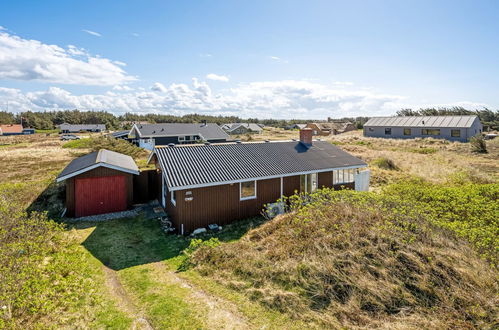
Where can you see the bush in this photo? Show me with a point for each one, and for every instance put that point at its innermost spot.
(385, 163)
(478, 144)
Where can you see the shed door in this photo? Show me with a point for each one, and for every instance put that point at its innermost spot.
(100, 195)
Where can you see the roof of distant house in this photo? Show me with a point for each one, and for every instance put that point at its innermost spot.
(11, 128)
(422, 121)
(119, 134)
(103, 157)
(82, 127)
(251, 126)
(186, 167)
(206, 131)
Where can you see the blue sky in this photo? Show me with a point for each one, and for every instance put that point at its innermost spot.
(268, 59)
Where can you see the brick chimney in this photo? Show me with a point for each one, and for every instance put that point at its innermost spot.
(306, 136)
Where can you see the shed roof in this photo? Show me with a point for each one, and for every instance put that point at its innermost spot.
(194, 166)
(11, 128)
(206, 131)
(422, 121)
(103, 157)
(119, 134)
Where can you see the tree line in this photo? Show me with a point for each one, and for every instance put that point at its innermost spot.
(50, 119)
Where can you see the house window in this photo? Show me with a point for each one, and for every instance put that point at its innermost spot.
(455, 132)
(388, 131)
(407, 131)
(343, 176)
(430, 131)
(247, 190)
(173, 198)
(308, 183)
(371, 129)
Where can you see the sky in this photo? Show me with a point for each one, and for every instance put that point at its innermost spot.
(265, 59)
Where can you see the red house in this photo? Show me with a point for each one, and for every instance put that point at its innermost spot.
(220, 183)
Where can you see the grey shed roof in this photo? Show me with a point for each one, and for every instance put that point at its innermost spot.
(206, 131)
(192, 166)
(103, 157)
(422, 121)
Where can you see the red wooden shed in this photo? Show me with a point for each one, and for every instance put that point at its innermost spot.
(97, 183)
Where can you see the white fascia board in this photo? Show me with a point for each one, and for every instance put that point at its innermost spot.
(257, 178)
(153, 152)
(86, 169)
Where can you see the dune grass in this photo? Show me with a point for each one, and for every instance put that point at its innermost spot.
(367, 260)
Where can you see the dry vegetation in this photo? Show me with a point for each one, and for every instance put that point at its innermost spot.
(358, 261)
(342, 264)
(434, 160)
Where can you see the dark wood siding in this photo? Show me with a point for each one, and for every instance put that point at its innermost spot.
(196, 208)
(291, 184)
(219, 204)
(325, 180)
(95, 173)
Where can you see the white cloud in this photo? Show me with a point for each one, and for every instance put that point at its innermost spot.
(97, 34)
(122, 88)
(205, 55)
(23, 59)
(158, 87)
(278, 59)
(135, 34)
(271, 99)
(213, 76)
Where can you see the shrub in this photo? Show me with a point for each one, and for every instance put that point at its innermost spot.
(478, 144)
(385, 163)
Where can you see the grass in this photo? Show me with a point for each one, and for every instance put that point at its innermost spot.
(145, 261)
(362, 260)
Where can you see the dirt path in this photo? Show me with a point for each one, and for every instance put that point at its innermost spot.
(124, 302)
(221, 314)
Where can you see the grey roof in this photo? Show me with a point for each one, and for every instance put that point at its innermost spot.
(188, 166)
(206, 131)
(119, 134)
(423, 121)
(94, 159)
(251, 126)
(84, 127)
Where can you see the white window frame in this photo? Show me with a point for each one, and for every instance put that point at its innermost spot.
(241, 198)
(173, 198)
(311, 185)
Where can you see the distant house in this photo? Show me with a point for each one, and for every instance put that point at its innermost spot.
(121, 135)
(150, 135)
(242, 128)
(295, 126)
(454, 128)
(220, 183)
(331, 128)
(99, 182)
(69, 128)
(15, 129)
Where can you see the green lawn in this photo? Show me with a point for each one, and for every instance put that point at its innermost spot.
(147, 261)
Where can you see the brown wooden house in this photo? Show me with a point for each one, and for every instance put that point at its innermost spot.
(208, 184)
(99, 182)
